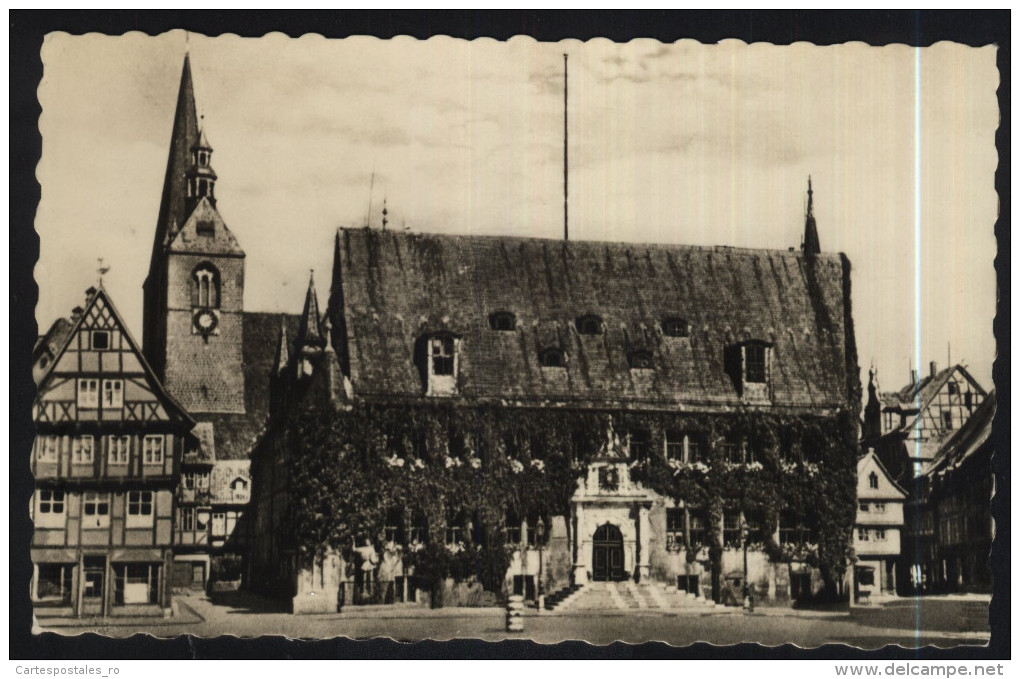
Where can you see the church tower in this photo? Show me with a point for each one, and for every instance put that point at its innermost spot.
(194, 292)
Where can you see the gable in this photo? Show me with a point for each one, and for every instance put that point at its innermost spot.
(395, 287)
(205, 232)
(887, 489)
(100, 351)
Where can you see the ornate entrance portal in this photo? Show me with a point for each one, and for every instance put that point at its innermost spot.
(607, 553)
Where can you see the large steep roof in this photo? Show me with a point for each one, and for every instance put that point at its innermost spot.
(395, 287)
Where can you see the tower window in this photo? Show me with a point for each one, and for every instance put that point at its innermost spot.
(503, 321)
(674, 326)
(205, 288)
(873, 481)
(552, 358)
(589, 325)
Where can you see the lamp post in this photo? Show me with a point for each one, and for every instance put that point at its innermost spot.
(745, 531)
(539, 540)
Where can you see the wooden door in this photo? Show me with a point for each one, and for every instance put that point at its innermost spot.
(607, 553)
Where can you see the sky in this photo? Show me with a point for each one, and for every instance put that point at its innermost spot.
(669, 143)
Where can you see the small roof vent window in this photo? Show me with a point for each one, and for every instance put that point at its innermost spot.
(552, 358)
(641, 360)
(674, 326)
(589, 324)
(503, 321)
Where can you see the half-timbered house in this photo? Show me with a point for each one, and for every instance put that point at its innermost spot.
(108, 447)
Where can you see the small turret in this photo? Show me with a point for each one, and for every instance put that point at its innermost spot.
(201, 176)
(872, 410)
(811, 245)
(310, 336)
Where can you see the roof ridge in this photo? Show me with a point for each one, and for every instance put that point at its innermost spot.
(729, 249)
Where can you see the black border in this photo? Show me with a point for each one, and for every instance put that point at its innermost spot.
(26, 31)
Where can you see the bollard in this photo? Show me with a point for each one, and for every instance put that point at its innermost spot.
(515, 613)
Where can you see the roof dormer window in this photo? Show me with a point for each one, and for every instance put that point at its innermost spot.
(674, 326)
(755, 363)
(750, 365)
(437, 357)
(589, 324)
(503, 321)
(552, 358)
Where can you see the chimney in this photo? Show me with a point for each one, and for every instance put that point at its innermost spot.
(933, 368)
(913, 377)
(76, 314)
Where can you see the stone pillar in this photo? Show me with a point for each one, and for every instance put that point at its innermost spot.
(580, 562)
(644, 544)
(35, 582)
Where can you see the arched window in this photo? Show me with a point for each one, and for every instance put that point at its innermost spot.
(552, 358)
(205, 290)
(589, 324)
(502, 320)
(873, 480)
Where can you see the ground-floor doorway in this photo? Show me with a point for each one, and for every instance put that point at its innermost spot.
(607, 554)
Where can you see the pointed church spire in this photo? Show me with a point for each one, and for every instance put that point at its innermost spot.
(811, 245)
(282, 357)
(173, 206)
(310, 330)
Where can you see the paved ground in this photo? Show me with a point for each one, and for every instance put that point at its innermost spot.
(944, 621)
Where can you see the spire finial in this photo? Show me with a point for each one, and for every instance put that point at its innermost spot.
(810, 196)
(811, 245)
(102, 271)
(385, 212)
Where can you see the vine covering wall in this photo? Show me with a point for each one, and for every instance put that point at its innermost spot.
(441, 464)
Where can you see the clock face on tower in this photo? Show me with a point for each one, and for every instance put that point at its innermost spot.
(204, 322)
